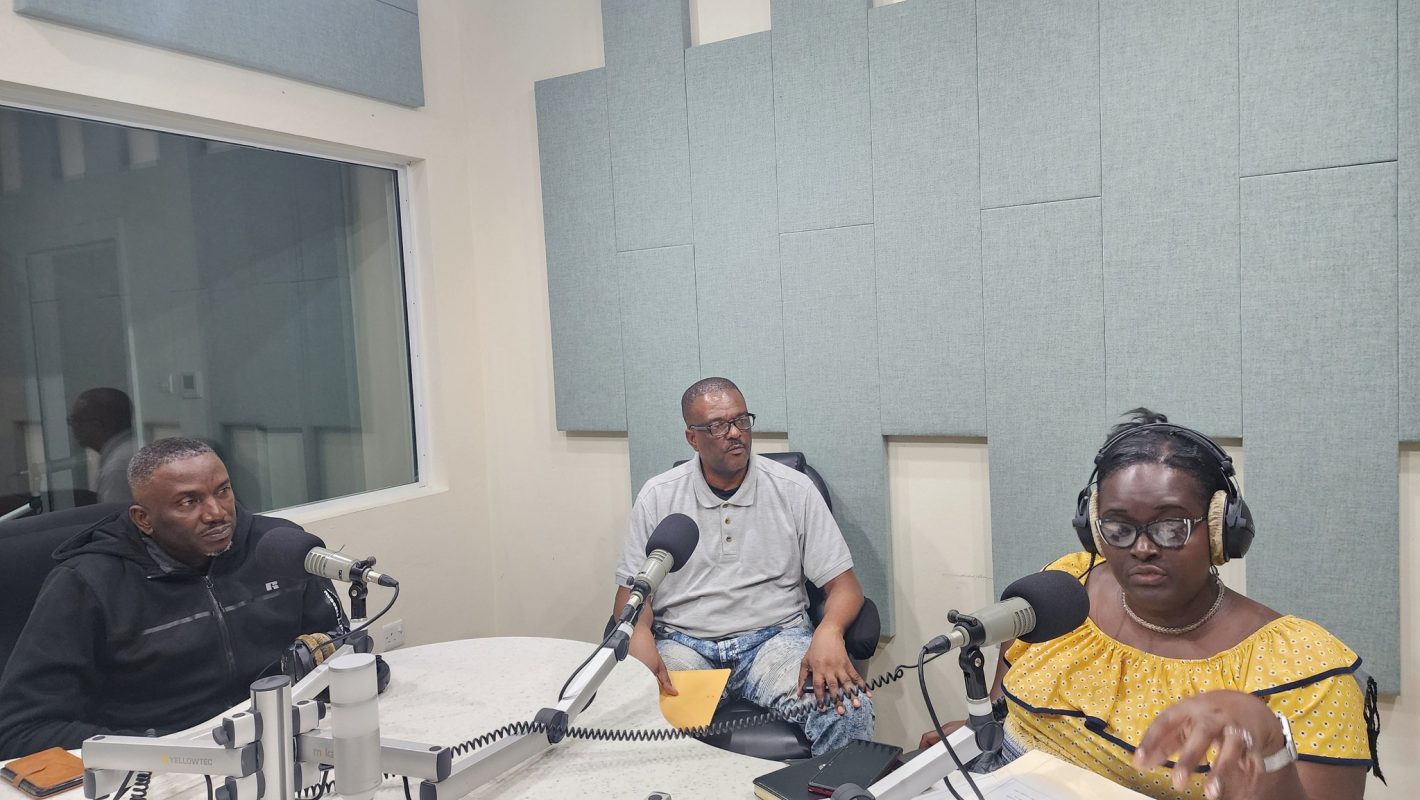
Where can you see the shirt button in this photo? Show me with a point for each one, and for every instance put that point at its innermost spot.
(729, 538)
(727, 520)
(724, 505)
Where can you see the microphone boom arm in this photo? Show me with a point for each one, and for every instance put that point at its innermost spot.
(486, 764)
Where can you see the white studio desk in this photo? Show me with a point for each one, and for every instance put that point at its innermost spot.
(450, 692)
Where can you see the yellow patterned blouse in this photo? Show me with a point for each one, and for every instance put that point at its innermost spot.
(1088, 699)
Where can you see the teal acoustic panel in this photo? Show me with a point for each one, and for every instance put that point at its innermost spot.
(645, 43)
(831, 363)
(1038, 79)
(661, 354)
(825, 166)
(1044, 375)
(1319, 348)
(583, 291)
(730, 90)
(1317, 83)
(1409, 217)
(927, 219)
(368, 47)
(1171, 260)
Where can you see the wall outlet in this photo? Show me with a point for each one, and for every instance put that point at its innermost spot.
(392, 635)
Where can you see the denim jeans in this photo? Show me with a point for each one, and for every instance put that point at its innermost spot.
(764, 669)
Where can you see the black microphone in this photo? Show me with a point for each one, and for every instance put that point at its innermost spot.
(281, 547)
(669, 547)
(1036, 608)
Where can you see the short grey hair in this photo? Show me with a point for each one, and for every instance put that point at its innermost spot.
(703, 387)
(164, 451)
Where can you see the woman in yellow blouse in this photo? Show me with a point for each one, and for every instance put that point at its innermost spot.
(1172, 669)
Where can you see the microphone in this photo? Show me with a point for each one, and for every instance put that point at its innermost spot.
(1036, 608)
(284, 546)
(669, 547)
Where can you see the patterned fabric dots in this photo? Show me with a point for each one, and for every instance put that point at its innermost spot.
(1287, 662)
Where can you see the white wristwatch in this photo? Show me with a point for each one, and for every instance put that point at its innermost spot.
(1287, 754)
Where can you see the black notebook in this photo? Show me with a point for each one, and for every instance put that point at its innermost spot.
(858, 762)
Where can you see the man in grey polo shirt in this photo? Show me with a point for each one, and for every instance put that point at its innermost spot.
(739, 601)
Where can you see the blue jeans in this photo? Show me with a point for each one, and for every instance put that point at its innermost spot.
(764, 669)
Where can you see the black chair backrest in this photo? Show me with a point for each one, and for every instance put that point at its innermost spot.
(27, 551)
(795, 460)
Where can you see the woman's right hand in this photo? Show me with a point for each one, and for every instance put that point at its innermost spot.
(932, 737)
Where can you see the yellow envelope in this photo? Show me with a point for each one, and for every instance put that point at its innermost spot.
(700, 691)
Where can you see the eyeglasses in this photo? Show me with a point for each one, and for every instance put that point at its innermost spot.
(721, 428)
(1169, 533)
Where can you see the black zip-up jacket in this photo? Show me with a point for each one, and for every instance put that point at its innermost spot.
(121, 642)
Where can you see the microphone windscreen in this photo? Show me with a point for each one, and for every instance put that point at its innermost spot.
(678, 535)
(282, 551)
(1060, 603)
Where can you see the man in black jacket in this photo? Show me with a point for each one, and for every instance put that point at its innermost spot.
(159, 618)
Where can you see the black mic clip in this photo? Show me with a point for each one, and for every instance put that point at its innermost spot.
(976, 633)
(358, 590)
(988, 731)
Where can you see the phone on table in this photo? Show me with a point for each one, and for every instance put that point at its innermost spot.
(859, 762)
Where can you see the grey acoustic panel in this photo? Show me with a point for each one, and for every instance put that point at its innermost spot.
(1044, 366)
(831, 364)
(367, 47)
(583, 291)
(661, 354)
(1039, 93)
(1317, 84)
(1170, 210)
(821, 113)
(1319, 348)
(730, 90)
(1409, 217)
(926, 201)
(645, 43)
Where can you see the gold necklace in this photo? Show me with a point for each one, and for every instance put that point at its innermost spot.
(1217, 604)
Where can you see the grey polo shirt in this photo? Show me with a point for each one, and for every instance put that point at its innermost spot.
(755, 549)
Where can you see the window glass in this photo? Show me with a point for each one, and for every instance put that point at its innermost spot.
(155, 284)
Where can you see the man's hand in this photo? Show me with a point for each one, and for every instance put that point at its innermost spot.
(643, 643)
(643, 647)
(833, 673)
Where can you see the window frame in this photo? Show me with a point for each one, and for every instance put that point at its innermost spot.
(160, 121)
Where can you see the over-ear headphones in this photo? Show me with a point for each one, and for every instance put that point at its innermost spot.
(1230, 528)
(310, 650)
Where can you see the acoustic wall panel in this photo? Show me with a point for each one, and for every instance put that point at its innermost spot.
(645, 43)
(1171, 262)
(661, 353)
(1039, 94)
(369, 47)
(730, 91)
(1317, 83)
(926, 201)
(821, 113)
(1044, 375)
(1409, 241)
(1319, 347)
(831, 366)
(583, 292)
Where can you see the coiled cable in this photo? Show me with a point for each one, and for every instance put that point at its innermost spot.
(792, 709)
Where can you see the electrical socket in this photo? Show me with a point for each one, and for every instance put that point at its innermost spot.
(393, 635)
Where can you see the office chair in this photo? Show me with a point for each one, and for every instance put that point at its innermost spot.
(27, 550)
(778, 740)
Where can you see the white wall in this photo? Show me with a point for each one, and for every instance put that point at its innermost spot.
(509, 496)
